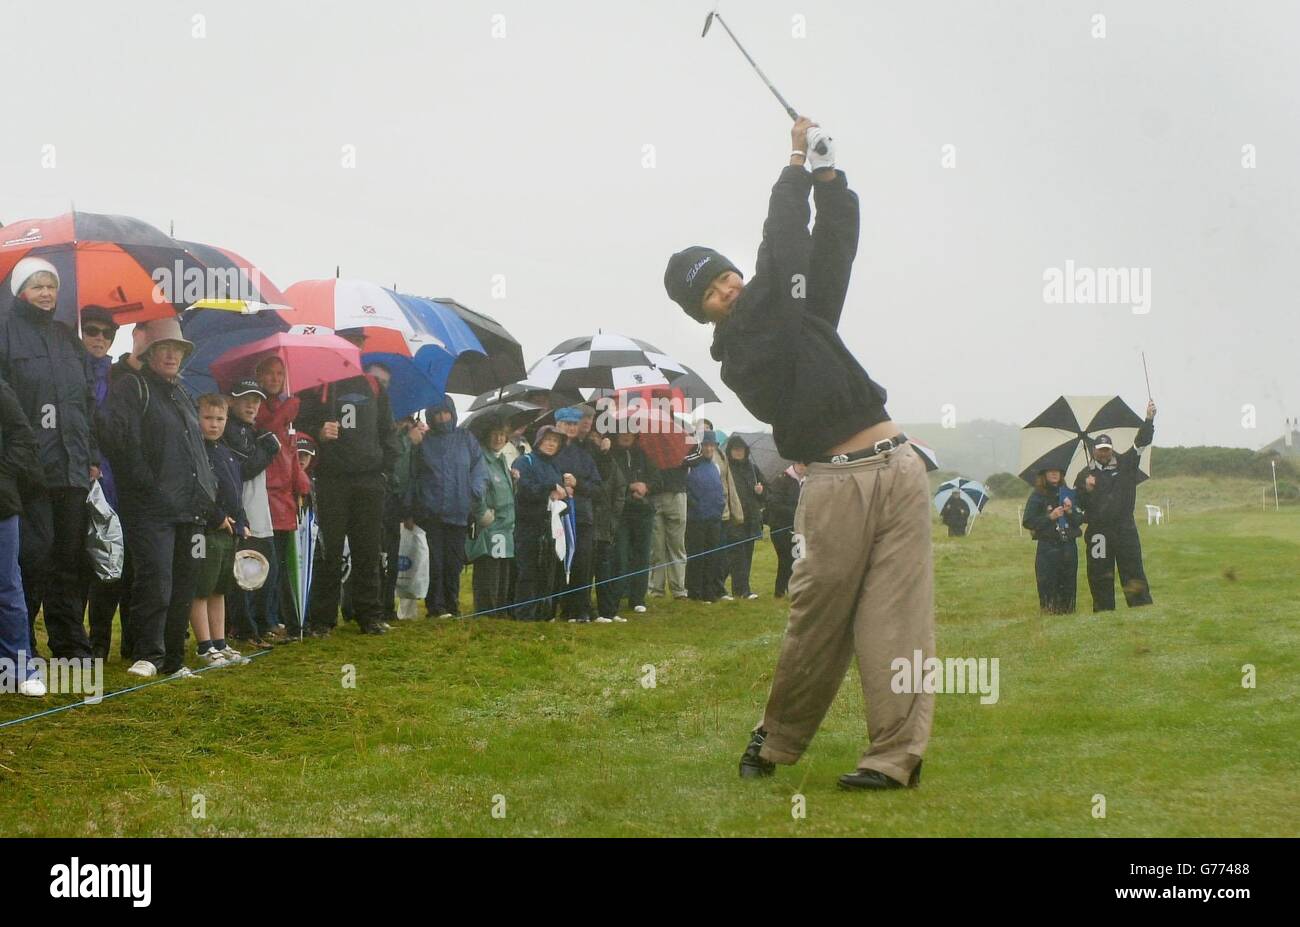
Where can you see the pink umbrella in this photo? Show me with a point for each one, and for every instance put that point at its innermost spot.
(309, 360)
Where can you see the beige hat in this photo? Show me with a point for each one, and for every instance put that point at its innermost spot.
(147, 334)
(251, 570)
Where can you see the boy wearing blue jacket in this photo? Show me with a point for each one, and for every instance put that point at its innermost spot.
(226, 525)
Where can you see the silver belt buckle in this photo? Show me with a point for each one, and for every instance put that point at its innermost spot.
(840, 458)
(888, 443)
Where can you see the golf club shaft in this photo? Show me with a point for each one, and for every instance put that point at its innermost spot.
(776, 93)
(1147, 375)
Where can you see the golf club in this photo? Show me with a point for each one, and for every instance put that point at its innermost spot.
(708, 21)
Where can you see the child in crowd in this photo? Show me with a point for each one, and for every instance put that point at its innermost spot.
(254, 615)
(216, 577)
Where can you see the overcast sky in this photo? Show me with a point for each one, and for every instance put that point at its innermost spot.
(524, 156)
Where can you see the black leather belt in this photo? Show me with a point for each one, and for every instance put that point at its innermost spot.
(880, 447)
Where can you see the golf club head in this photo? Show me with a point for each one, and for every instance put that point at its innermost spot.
(708, 21)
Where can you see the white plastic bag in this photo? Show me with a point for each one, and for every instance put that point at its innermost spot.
(103, 536)
(412, 564)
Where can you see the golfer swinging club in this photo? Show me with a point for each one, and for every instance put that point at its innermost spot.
(863, 576)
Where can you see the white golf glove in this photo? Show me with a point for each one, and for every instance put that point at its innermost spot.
(817, 135)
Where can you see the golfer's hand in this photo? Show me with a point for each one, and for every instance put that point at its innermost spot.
(1151, 410)
(329, 431)
(799, 134)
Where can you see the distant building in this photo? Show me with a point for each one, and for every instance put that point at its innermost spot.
(1289, 444)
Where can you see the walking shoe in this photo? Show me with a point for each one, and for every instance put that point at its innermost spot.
(185, 673)
(143, 668)
(446, 615)
(728, 598)
(870, 779)
(34, 687)
(234, 656)
(373, 629)
(603, 620)
(620, 619)
(682, 596)
(214, 658)
(639, 609)
(753, 766)
(317, 633)
(385, 625)
(752, 596)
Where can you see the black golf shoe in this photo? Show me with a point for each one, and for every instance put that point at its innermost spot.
(872, 780)
(753, 766)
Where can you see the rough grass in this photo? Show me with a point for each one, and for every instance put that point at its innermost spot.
(1145, 707)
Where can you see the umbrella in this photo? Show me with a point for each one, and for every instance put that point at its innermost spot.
(422, 342)
(123, 264)
(235, 284)
(926, 453)
(604, 360)
(302, 560)
(1061, 437)
(975, 494)
(762, 450)
(563, 532)
(216, 333)
(512, 414)
(309, 360)
(527, 392)
(504, 360)
(691, 385)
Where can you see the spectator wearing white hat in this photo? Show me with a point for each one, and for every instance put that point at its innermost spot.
(49, 370)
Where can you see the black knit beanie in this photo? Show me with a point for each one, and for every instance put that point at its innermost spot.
(689, 273)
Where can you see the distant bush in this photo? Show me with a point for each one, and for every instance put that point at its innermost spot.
(1221, 461)
(1005, 485)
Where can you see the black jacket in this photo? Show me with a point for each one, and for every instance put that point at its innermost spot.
(150, 433)
(365, 453)
(744, 474)
(20, 463)
(674, 479)
(576, 459)
(50, 373)
(1041, 526)
(1110, 504)
(230, 487)
(782, 499)
(956, 511)
(780, 352)
(610, 496)
(253, 450)
(637, 468)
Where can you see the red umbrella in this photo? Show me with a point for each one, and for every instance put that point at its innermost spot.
(309, 360)
(125, 265)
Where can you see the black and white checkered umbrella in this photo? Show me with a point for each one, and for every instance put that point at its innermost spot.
(606, 361)
(1062, 435)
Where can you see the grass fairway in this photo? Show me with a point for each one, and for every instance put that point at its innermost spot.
(1145, 707)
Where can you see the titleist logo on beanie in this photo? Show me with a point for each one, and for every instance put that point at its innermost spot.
(688, 275)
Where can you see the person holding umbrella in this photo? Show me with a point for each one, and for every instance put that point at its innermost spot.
(864, 583)
(539, 481)
(1107, 490)
(1053, 519)
(956, 515)
(49, 370)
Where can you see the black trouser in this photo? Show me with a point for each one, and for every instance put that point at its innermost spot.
(56, 573)
(446, 560)
(166, 568)
(956, 530)
(1056, 567)
(535, 571)
(351, 511)
(106, 600)
(740, 556)
(605, 563)
(285, 541)
(576, 600)
(703, 579)
(492, 587)
(632, 545)
(783, 543)
(1118, 545)
(392, 549)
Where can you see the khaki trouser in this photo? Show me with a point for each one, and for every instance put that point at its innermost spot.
(668, 543)
(863, 586)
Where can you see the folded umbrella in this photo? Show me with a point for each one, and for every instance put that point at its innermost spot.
(309, 360)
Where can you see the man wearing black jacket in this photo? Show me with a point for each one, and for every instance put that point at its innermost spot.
(636, 525)
(1107, 490)
(863, 576)
(353, 425)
